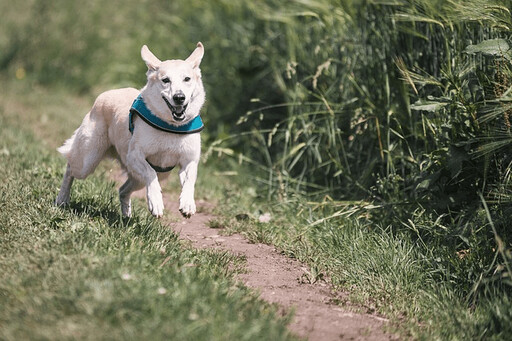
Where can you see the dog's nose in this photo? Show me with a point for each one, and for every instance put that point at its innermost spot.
(179, 97)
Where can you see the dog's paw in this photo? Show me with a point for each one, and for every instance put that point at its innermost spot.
(62, 199)
(156, 204)
(126, 208)
(61, 203)
(187, 207)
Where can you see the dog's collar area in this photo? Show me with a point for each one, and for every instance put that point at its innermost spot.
(139, 108)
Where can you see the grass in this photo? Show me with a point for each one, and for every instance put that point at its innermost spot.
(384, 270)
(384, 161)
(376, 133)
(86, 273)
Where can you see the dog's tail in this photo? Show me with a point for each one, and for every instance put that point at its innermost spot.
(65, 149)
(87, 146)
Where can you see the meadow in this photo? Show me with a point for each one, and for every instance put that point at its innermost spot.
(86, 273)
(376, 133)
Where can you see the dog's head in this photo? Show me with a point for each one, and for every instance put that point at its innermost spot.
(174, 90)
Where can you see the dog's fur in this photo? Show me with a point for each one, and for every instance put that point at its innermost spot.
(104, 132)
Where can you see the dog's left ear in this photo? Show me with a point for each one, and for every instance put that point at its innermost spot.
(196, 56)
(149, 58)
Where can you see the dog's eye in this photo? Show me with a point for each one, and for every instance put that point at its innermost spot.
(187, 79)
(166, 80)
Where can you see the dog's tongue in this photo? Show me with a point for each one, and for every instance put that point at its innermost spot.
(179, 109)
(179, 113)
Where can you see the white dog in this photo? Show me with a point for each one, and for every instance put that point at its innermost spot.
(148, 131)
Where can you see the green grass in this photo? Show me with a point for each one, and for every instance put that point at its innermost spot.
(86, 273)
(376, 133)
(384, 270)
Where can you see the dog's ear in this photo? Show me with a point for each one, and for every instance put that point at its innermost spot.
(149, 58)
(196, 56)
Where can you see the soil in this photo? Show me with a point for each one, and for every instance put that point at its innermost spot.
(318, 315)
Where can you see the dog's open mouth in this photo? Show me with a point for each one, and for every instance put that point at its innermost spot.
(178, 112)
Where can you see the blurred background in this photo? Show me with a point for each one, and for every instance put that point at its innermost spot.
(396, 112)
(89, 47)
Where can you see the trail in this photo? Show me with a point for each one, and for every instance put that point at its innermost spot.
(278, 280)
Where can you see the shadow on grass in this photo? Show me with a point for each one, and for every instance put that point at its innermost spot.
(141, 225)
(96, 211)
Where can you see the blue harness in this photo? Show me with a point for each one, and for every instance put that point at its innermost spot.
(139, 108)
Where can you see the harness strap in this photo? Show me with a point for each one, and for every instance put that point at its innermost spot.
(139, 108)
(160, 169)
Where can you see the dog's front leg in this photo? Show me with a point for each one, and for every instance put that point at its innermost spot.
(142, 171)
(188, 176)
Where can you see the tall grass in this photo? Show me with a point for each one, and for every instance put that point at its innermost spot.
(405, 106)
(394, 114)
(402, 104)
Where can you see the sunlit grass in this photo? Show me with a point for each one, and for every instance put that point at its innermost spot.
(371, 128)
(84, 272)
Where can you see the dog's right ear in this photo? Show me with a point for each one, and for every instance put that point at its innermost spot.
(196, 56)
(150, 59)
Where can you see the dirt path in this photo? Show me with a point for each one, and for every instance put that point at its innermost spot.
(277, 279)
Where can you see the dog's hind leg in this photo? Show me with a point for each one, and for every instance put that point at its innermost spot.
(65, 188)
(84, 151)
(131, 185)
(88, 145)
